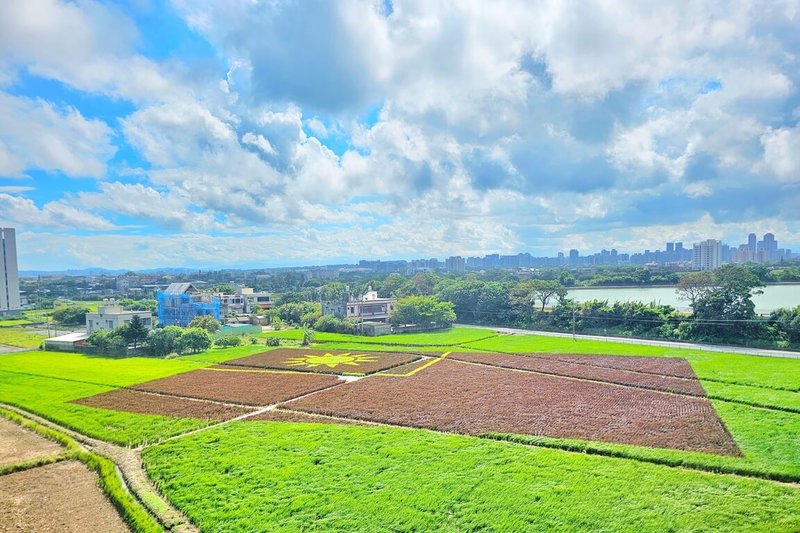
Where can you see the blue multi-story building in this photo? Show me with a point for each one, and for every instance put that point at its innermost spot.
(181, 302)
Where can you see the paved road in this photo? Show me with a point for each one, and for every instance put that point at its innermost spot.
(4, 348)
(646, 342)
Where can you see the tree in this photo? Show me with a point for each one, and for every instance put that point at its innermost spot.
(99, 339)
(787, 324)
(423, 311)
(109, 342)
(228, 341)
(727, 310)
(71, 315)
(308, 336)
(163, 341)
(206, 322)
(224, 288)
(136, 332)
(493, 304)
(546, 289)
(391, 284)
(525, 294)
(294, 313)
(465, 295)
(195, 340)
(693, 286)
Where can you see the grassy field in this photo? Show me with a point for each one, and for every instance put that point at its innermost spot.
(14, 336)
(260, 475)
(46, 382)
(345, 478)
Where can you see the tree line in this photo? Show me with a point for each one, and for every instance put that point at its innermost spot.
(722, 310)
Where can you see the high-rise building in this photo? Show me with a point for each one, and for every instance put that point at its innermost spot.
(9, 275)
(574, 256)
(770, 247)
(707, 255)
(455, 264)
(751, 243)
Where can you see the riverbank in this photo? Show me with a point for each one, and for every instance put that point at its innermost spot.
(773, 296)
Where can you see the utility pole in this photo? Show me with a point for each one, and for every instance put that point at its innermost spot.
(574, 312)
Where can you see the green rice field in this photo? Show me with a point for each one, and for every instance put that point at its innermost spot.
(265, 475)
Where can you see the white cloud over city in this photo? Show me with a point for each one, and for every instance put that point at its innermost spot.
(279, 132)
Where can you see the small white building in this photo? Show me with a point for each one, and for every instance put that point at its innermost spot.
(245, 300)
(111, 315)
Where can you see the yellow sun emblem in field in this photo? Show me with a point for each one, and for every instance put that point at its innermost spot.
(331, 360)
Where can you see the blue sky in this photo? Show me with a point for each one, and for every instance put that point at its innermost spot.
(245, 133)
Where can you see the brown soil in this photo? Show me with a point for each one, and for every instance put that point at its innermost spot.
(662, 366)
(471, 399)
(408, 367)
(226, 384)
(282, 358)
(18, 445)
(153, 404)
(279, 415)
(587, 369)
(61, 497)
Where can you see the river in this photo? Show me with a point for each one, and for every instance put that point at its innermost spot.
(774, 297)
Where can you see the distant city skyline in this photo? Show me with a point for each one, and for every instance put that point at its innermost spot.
(670, 252)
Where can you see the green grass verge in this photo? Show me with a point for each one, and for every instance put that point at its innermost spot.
(268, 476)
(139, 520)
(11, 322)
(445, 337)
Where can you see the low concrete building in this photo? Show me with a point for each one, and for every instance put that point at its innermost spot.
(66, 343)
(111, 315)
(245, 300)
(368, 308)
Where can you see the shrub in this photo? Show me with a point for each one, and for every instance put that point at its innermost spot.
(332, 324)
(163, 341)
(229, 341)
(273, 341)
(195, 340)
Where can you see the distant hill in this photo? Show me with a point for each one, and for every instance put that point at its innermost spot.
(101, 272)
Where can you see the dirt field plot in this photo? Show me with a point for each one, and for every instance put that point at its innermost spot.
(153, 404)
(61, 497)
(238, 385)
(325, 361)
(471, 399)
(413, 366)
(661, 366)
(18, 445)
(586, 369)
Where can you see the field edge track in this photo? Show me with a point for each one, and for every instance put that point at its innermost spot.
(129, 469)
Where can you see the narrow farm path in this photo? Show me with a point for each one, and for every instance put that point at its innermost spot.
(130, 471)
(257, 411)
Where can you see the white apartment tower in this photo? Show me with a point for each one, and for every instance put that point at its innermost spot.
(9, 276)
(707, 255)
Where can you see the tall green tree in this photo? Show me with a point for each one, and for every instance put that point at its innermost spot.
(136, 332)
(71, 315)
(195, 340)
(207, 322)
(694, 286)
(727, 310)
(423, 311)
(164, 341)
